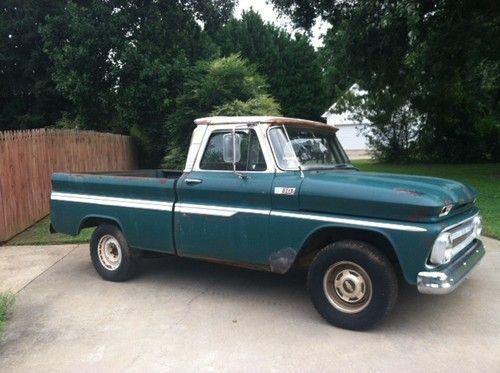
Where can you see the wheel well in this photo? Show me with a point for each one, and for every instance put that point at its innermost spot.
(95, 221)
(326, 236)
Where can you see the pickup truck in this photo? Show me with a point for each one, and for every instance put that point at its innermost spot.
(276, 194)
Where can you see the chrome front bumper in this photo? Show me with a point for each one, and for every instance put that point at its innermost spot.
(444, 280)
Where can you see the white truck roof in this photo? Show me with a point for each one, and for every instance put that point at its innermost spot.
(260, 119)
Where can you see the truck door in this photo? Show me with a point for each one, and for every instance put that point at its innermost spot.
(222, 214)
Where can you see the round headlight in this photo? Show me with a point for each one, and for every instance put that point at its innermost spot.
(478, 226)
(442, 249)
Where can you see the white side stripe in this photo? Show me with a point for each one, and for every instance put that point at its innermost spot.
(112, 201)
(363, 223)
(188, 208)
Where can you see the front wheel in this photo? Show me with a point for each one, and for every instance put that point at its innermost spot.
(352, 284)
(113, 259)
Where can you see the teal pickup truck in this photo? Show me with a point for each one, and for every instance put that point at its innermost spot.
(273, 193)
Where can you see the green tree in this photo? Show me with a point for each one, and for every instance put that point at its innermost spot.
(260, 105)
(289, 62)
(224, 86)
(122, 63)
(437, 60)
(28, 97)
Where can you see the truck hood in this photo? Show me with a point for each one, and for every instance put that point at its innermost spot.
(383, 195)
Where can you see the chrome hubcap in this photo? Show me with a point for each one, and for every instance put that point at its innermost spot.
(347, 287)
(109, 252)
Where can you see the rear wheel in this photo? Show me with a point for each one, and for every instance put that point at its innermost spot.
(113, 259)
(352, 284)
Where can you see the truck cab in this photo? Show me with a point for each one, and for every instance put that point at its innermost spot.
(275, 193)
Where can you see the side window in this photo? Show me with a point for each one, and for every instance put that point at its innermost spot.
(252, 158)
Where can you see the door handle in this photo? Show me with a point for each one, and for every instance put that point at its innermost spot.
(190, 181)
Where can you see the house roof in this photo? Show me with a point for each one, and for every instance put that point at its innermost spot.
(346, 117)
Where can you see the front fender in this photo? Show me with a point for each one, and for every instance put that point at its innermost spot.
(411, 248)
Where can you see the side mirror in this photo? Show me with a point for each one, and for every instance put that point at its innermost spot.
(231, 147)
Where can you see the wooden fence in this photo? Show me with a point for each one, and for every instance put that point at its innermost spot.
(28, 159)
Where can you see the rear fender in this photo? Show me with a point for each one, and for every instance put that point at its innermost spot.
(96, 220)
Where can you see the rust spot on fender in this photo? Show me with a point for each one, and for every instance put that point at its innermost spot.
(281, 261)
(411, 192)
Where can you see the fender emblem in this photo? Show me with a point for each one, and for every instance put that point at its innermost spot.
(284, 190)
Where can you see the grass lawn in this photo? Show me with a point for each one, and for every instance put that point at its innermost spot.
(38, 234)
(485, 178)
(6, 301)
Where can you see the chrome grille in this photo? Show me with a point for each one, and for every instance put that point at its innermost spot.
(462, 235)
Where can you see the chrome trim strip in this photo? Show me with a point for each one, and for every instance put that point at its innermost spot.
(445, 280)
(112, 201)
(363, 223)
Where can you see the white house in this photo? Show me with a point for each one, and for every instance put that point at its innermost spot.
(354, 142)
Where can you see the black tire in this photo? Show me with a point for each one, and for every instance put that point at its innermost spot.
(122, 263)
(345, 268)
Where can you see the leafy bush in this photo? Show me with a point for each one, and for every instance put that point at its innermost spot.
(260, 105)
(223, 86)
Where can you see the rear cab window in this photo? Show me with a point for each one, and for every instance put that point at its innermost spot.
(252, 158)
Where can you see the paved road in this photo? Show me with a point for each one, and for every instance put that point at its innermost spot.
(183, 315)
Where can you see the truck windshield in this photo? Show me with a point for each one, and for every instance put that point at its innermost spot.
(309, 148)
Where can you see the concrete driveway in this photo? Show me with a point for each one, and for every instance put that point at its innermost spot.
(183, 315)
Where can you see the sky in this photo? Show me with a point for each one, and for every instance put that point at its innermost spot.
(270, 15)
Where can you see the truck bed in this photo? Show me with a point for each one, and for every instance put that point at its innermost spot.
(140, 202)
